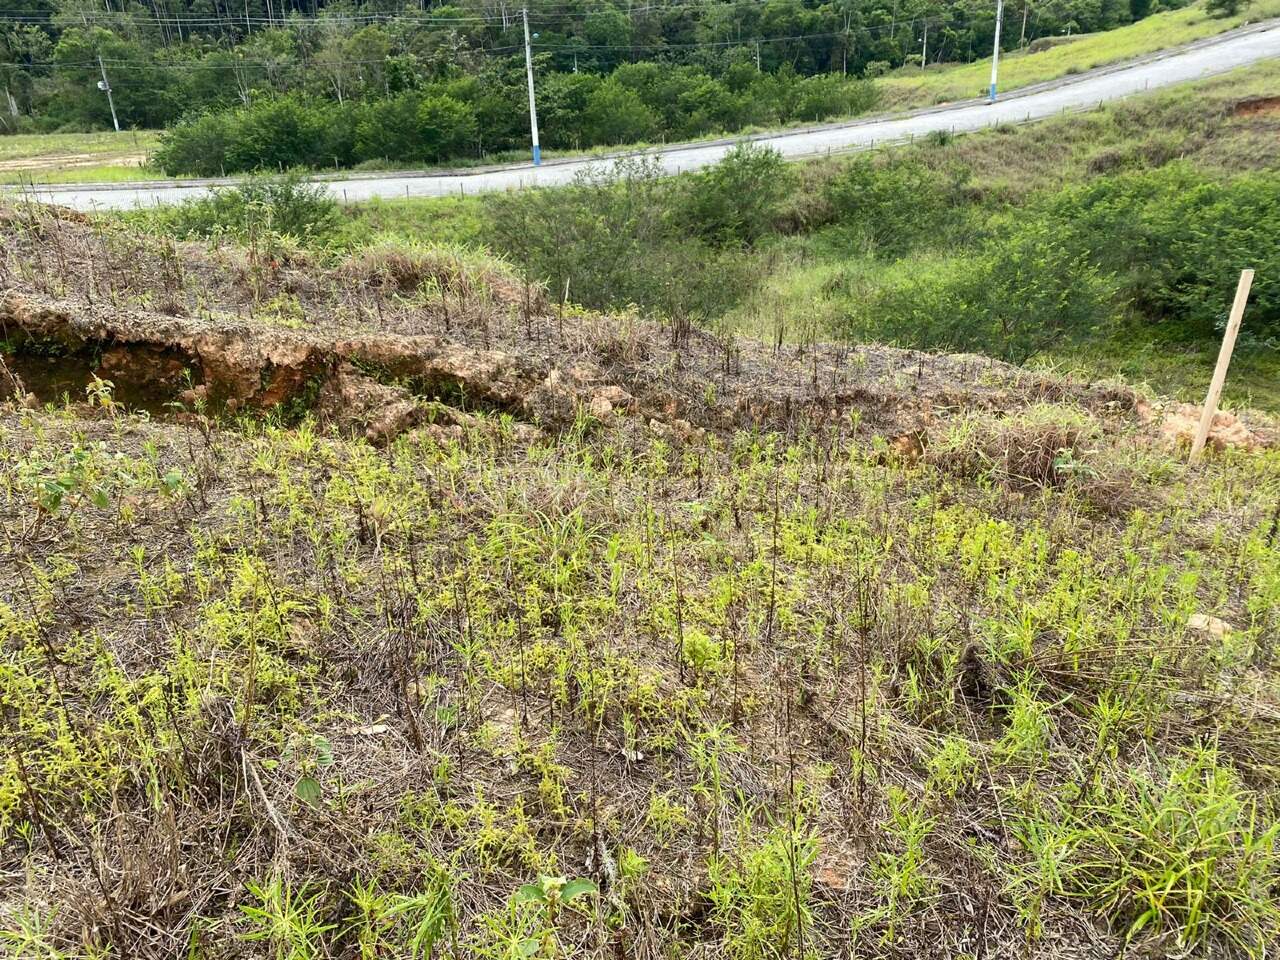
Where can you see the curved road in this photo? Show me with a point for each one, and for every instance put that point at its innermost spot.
(1208, 57)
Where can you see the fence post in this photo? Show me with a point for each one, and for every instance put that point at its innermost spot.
(1224, 360)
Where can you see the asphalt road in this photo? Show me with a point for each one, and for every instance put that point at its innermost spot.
(1205, 58)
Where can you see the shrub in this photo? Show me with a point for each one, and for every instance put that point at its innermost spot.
(562, 101)
(447, 127)
(616, 114)
(412, 128)
(197, 145)
(1178, 241)
(891, 203)
(613, 237)
(704, 105)
(288, 132)
(266, 135)
(737, 199)
(388, 130)
(286, 205)
(828, 95)
(1015, 298)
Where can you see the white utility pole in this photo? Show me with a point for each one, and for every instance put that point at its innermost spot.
(533, 107)
(105, 85)
(995, 55)
(924, 48)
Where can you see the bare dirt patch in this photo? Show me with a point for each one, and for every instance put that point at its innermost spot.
(1257, 107)
(68, 161)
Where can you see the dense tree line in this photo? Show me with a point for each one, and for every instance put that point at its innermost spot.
(470, 116)
(609, 70)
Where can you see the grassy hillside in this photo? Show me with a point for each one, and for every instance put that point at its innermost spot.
(1219, 129)
(369, 605)
(75, 157)
(843, 234)
(911, 87)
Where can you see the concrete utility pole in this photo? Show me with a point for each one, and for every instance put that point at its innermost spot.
(533, 107)
(105, 85)
(924, 48)
(995, 54)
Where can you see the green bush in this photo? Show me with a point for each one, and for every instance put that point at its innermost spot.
(1013, 299)
(447, 127)
(412, 128)
(614, 238)
(829, 95)
(388, 130)
(266, 135)
(562, 102)
(891, 203)
(736, 200)
(283, 206)
(616, 114)
(434, 122)
(288, 132)
(1178, 240)
(197, 146)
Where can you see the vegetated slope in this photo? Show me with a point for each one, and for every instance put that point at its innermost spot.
(725, 651)
(403, 89)
(1061, 56)
(1110, 241)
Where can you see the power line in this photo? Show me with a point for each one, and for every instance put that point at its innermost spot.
(296, 20)
(511, 24)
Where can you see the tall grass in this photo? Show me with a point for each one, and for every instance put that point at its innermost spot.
(911, 87)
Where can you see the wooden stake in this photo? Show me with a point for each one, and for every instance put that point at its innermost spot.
(1224, 360)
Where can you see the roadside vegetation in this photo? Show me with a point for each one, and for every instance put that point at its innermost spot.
(1107, 242)
(1052, 57)
(275, 89)
(445, 121)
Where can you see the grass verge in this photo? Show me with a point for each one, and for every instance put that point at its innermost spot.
(910, 87)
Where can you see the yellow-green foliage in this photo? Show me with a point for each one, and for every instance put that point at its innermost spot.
(464, 664)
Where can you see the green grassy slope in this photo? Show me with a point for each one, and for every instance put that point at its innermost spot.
(910, 87)
(811, 281)
(75, 157)
(1222, 127)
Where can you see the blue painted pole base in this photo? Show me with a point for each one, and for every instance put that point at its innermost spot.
(537, 156)
(992, 95)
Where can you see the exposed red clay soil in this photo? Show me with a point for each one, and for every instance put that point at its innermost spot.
(1257, 106)
(388, 340)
